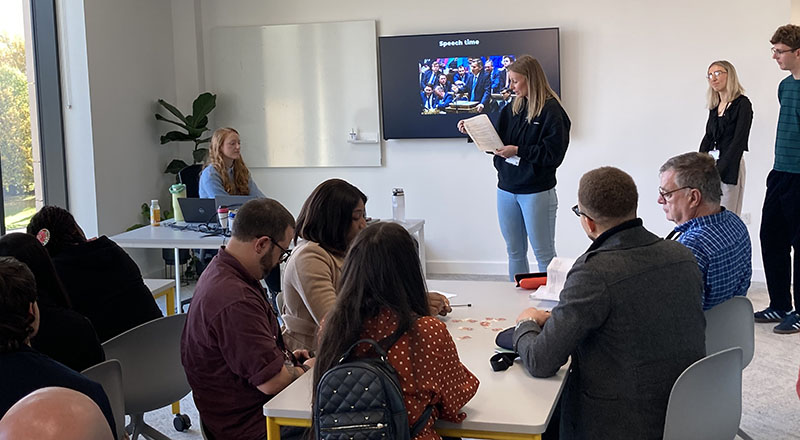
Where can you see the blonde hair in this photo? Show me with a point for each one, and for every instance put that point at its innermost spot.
(241, 175)
(733, 88)
(539, 89)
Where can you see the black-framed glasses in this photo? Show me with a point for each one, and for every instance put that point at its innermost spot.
(285, 253)
(715, 74)
(579, 213)
(781, 52)
(666, 195)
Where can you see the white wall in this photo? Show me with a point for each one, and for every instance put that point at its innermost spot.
(120, 61)
(632, 81)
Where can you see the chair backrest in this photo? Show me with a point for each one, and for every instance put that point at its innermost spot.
(109, 375)
(706, 400)
(190, 176)
(731, 324)
(150, 354)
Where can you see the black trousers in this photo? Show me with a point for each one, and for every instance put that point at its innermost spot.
(780, 233)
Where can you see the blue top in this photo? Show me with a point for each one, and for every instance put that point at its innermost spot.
(721, 245)
(211, 184)
(787, 138)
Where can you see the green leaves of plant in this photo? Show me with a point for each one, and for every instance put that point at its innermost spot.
(175, 166)
(199, 155)
(195, 124)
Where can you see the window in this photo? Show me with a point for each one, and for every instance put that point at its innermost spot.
(31, 134)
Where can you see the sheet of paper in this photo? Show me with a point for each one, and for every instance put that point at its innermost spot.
(482, 132)
(556, 276)
(514, 160)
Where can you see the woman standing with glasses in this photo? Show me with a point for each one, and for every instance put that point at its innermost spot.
(730, 115)
(535, 131)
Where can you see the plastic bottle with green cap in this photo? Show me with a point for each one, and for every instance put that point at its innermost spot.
(178, 191)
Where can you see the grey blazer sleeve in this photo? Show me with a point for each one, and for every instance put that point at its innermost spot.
(583, 307)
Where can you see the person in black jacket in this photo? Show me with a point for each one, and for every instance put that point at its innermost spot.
(730, 115)
(100, 278)
(23, 369)
(64, 334)
(535, 131)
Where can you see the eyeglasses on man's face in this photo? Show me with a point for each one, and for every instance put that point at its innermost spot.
(579, 213)
(666, 195)
(285, 253)
(781, 52)
(715, 74)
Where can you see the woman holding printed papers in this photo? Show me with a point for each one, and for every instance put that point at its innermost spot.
(534, 131)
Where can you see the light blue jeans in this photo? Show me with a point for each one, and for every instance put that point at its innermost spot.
(523, 217)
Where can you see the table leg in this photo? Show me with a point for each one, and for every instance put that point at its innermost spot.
(170, 295)
(177, 305)
(273, 429)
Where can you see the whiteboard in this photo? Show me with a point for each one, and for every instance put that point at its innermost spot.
(295, 92)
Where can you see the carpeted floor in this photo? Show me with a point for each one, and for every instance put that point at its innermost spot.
(771, 408)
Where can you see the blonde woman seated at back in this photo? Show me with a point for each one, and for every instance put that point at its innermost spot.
(225, 172)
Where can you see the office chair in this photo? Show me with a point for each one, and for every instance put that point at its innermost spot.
(706, 400)
(190, 176)
(728, 325)
(152, 373)
(109, 375)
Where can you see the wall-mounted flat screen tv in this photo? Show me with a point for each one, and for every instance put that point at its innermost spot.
(430, 82)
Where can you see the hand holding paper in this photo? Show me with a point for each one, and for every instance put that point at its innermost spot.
(480, 129)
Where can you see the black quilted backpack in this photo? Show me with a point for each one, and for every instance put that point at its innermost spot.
(361, 399)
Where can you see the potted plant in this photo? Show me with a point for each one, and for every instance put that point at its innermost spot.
(194, 126)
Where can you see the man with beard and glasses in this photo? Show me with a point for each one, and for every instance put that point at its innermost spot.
(232, 350)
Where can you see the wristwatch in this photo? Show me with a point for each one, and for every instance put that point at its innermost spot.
(526, 320)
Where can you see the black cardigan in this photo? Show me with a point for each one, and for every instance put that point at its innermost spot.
(542, 146)
(728, 134)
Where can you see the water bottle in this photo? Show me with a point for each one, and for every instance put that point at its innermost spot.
(155, 213)
(178, 191)
(231, 218)
(398, 205)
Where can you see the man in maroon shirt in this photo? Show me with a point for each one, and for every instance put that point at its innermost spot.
(231, 348)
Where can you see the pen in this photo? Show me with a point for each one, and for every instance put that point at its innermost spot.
(460, 305)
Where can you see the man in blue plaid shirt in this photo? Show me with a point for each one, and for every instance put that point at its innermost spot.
(690, 196)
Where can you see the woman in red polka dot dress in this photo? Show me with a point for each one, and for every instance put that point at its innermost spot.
(382, 292)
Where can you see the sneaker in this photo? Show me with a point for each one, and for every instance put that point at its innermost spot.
(790, 324)
(769, 315)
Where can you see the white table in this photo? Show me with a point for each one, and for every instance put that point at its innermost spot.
(164, 236)
(157, 237)
(509, 404)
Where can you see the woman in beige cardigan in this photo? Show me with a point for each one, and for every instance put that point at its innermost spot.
(329, 220)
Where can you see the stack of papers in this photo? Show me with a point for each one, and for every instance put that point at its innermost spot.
(556, 277)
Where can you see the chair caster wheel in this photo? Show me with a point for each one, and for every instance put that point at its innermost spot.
(181, 422)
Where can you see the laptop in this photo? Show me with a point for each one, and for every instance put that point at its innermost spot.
(198, 210)
(234, 202)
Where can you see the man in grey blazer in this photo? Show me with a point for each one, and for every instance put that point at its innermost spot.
(630, 316)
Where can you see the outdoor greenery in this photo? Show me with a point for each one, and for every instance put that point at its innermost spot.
(15, 123)
(15, 134)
